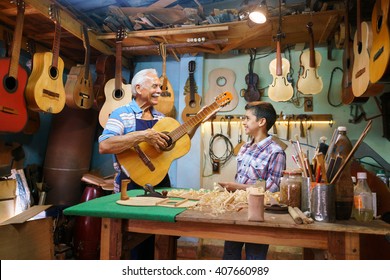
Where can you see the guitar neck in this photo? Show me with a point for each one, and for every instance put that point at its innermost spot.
(192, 86)
(87, 52)
(56, 44)
(358, 22)
(16, 46)
(118, 65)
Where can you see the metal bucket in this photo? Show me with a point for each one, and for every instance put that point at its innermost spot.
(323, 203)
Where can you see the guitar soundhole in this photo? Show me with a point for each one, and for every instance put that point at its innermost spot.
(221, 81)
(10, 84)
(170, 143)
(118, 94)
(379, 24)
(192, 103)
(53, 72)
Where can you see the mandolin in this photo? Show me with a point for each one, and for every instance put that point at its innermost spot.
(280, 89)
(45, 89)
(361, 85)
(252, 92)
(79, 84)
(166, 100)
(309, 82)
(105, 71)
(347, 96)
(13, 110)
(380, 50)
(193, 99)
(153, 165)
(117, 94)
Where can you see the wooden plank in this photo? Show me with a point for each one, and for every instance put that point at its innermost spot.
(111, 239)
(165, 247)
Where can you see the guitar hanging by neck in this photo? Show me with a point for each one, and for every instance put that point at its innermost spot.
(56, 43)
(87, 52)
(120, 35)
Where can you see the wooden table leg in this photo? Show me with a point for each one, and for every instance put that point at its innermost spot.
(343, 246)
(165, 247)
(111, 239)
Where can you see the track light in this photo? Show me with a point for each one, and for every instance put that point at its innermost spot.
(259, 13)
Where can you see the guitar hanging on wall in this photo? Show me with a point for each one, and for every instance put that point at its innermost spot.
(193, 99)
(117, 93)
(45, 89)
(280, 89)
(79, 84)
(13, 110)
(105, 71)
(309, 82)
(252, 92)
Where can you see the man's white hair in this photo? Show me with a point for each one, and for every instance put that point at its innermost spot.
(142, 78)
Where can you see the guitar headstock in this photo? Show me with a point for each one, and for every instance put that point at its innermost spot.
(54, 14)
(309, 26)
(20, 5)
(120, 34)
(191, 66)
(224, 98)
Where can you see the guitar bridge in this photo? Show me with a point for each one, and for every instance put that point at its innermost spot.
(8, 110)
(145, 159)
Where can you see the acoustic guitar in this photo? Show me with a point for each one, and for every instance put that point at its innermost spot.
(280, 89)
(380, 50)
(105, 71)
(252, 92)
(308, 81)
(222, 80)
(347, 96)
(79, 84)
(45, 89)
(117, 93)
(193, 99)
(146, 165)
(361, 85)
(166, 100)
(13, 110)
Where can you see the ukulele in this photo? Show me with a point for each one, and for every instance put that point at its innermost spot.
(193, 99)
(79, 84)
(45, 89)
(380, 50)
(105, 70)
(13, 110)
(347, 96)
(166, 100)
(117, 94)
(152, 165)
(361, 85)
(252, 80)
(280, 89)
(309, 82)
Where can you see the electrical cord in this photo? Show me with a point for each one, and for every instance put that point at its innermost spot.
(228, 151)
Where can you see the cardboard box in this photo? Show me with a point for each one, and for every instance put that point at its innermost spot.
(27, 236)
(7, 199)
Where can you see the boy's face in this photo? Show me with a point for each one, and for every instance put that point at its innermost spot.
(252, 125)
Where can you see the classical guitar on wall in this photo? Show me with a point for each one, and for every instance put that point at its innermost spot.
(309, 82)
(79, 84)
(117, 93)
(45, 89)
(252, 93)
(192, 99)
(153, 165)
(280, 89)
(166, 101)
(380, 50)
(361, 85)
(105, 71)
(221, 80)
(13, 110)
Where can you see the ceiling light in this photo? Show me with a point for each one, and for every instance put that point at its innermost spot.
(259, 13)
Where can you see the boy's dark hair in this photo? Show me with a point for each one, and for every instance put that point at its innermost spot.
(262, 109)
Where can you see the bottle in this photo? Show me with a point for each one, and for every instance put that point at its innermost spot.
(344, 185)
(363, 207)
(381, 174)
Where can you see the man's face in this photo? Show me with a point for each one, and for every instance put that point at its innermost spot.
(150, 91)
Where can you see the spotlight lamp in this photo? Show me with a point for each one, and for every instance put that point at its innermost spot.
(259, 13)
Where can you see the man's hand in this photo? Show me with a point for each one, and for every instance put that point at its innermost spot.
(157, 139)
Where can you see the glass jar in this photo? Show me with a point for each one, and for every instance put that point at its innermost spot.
(290, 188)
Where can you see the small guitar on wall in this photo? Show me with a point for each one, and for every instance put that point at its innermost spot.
(166, 101)
(117, 93)
(309, 82)
(153, 165)
(361, 85)
(193, 99)
(280, 89)
(13, 110)
(45, 89)
(79, 84)
(380, 51)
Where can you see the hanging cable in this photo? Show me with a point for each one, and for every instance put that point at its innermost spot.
(228, 151)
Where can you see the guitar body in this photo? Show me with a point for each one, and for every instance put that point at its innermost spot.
(166, 101)
(309, 82)
(380, 51)
(192, 106)
(45, 88)
(280, 89)
(142, 175)
(115, 98)
(13, 110)
(221, 80)
(79, 89)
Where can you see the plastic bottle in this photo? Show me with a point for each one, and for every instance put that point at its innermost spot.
(381, 174)
(344, 185)
(363, 207)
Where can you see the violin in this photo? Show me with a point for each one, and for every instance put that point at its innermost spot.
(252, 92)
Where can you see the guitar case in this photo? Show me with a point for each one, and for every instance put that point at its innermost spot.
(68, 154)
